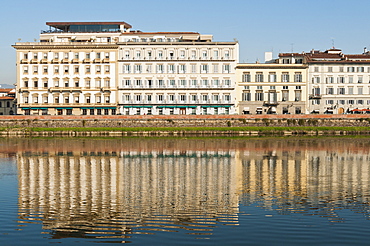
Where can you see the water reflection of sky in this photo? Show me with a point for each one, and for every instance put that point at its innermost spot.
(114, 190)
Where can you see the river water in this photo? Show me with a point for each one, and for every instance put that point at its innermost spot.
(183, 191)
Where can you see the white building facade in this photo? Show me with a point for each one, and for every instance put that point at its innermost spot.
(105, 68)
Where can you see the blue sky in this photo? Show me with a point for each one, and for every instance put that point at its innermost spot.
(258, 25)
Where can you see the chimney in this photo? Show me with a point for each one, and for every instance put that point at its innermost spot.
(365, 50)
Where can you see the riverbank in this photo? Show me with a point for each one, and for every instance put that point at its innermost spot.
(183, 131)
(184, 125)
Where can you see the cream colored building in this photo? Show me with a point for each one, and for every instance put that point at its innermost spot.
(94, 68)
(337, 82)
(271, 88)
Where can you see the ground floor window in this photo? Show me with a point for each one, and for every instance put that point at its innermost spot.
(59, 111)
(91, 111)
(106, 111)
(69, 111)
(84, 111)
(98, 111)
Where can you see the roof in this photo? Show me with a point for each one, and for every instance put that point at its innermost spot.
(161, 33)
(63, 24)
(7, 98)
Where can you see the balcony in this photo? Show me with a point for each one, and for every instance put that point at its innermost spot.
(315, 96)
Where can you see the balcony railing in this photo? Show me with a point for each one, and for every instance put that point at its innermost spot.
(315, 96)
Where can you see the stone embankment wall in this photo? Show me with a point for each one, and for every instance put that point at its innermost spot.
(184, 121)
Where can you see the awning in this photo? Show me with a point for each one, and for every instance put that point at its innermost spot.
(216, 106)
(273, 109)
(316, 111)
(246, 109)
(63, 108)
(259, 109)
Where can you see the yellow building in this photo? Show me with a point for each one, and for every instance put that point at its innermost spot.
(271, 88)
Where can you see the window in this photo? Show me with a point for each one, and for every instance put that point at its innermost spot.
(216, 82)
(341, 102)
(172, 82)
(359, 79)
(171, 68)
(45, 70)
(160, 54)
(341, 91)
(56, 69)
(215, 98)
(138, 82)
(272, 77)
(350, 79)
(35, 69)
(204, 54)
(182, 68)
(87, 55)
(341, 69)
(98, 56)
(360, 102)
(330, 91)
(285, 96)
(66, 69)
(246, 77)
(76, 55)
(360, 69)
(226, 68)
(330, 69)
(183, 98)
(107, 68)
(204, 68)
(297, 96)
(350, 69)
(137, 68)
(138, 54)
(316, 79)
(246, 96)
(171, 97)
(160, 98)
(285, 77)
(76, 68)
(193, 68)
(259, 96)
(160, 68)
(194, 98)
(45, 84)
(127, 54)
(316, 69)
(351, 101)
(215, 54)
(107, 99)
(107, 83)
(88, 69)
(227, 54)
(88, 99)
(285, 87)
(227, 82)
(26, 83)
(329, 102)
(182, 54)
(193, 82)
(193, 54)
(329, 80)
(182, 82)
(350, 90)
(259, 77)
(35, 84)
(297, 77)
(126, 68)
(98, 69)
(341, 79)
(160, 82)
(204, 98)
(360, 90)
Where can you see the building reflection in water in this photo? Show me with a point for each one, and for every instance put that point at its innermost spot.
(114, 188)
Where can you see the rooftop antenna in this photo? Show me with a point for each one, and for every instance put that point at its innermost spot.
(333, 43)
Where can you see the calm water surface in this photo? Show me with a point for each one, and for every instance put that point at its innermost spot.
(168, 191)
